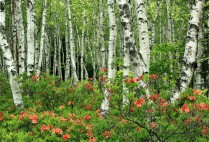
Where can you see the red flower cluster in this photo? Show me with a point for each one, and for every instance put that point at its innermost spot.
(35, 77)
(153, 76)
(185, 108)
(87, 117)
(196, 92)
(88, 107)
(204, 130)
(34, 118)
(104, 69)
(45, 127)
(2, 116)
(139, 102)
(154, 97)
(106, 134)
(57, 131)
(65, 137)
(202, 106)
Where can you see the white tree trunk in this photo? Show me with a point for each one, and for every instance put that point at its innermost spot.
(72, 46)
(30, 35)
(42, 38)
(47, 54)
(111, 62)
(17, 97)
(190, 52)
(21, 36)
(144, 37)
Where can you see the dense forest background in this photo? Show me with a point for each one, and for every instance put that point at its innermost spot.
(143, 54)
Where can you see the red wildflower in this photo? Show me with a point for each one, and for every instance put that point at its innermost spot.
(185, 108)
(72, 115)
(65, 137)
(204, 130)
(153, 76)
(154, 97)
(2, 117)
(192, 98)
(203, 106)
(22, 115)
(92, 139)
(102, 79)
(79, 121)
(57, 131)
(62, 106)
(34, 118)
(196, 92)
(44, 128)
(163, 102)
(153, 125)
(104, 69)
(106, 134)
(88, 107)
(187, 121)
(110, 89)
(35, 77)
(139, 78)
(140, 102)
(87, 117)
(11, 116)
(71, 103)
(132, 80)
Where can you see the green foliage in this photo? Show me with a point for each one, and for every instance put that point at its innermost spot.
(55, 109)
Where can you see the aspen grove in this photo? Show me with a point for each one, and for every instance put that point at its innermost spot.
(104, 70)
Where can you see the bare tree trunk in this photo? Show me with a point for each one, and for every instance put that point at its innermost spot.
(189, 60)
(9, 61)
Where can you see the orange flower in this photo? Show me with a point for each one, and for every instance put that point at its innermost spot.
(163, 102)
(138, 129)
(192, 98)
(44, 128)
(57, 131)
(106, 134)
(139, 103)
(185, 108)
(196, 92)
(187, 121)
(62, 106)
(154, 97)
(87, 117)
(2, 117)
(34, 118)
(204, 131)
(92, 139)
(79, 121)
(197, 119)
(203, 106)
(65, 137)
(139, 78)
(153, 125)
(35, 77)
(22, 115)
(72, 115)
(11, 116)
(153, 76)
(104, 69)
(88, 107)
(132, 80)
(71, 103)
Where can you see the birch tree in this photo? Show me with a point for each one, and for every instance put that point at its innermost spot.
(111, 63)
(9, 61)
(42, 38)
(30, 35)
(72, 45)
(189, 60)
(21, 36)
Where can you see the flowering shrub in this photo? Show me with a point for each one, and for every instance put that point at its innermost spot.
(60, 111)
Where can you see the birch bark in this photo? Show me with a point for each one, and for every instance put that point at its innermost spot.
(189, 60)
(9, 61)
(30, 36)
(42, 38)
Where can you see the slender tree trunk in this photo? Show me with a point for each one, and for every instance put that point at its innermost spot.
(30, 35)
(21, 36)
(17, 97)
(42, 38)
(189, 60)
(144, 37)
(72, 46)
(111, 62)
